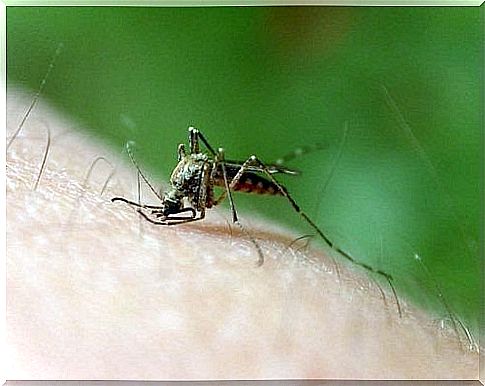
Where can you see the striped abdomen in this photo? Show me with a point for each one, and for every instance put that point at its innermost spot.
(252, 183)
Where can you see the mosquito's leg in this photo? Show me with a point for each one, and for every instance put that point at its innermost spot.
(159, 213)
(220, 159)
(174, 218)
(234, 180)
(194, 136)
(193, 140)
(155, 208)
(228, 188)
(132, 203)
(167, 222)
(255, 161)
(221, 198)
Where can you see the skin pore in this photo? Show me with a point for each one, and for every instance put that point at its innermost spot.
(95, 292)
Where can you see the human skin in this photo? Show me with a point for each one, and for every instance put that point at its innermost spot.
(95, 292)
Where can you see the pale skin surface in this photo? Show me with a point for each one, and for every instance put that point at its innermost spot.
(95, 293)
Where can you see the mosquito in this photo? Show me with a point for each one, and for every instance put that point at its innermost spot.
(193, 181)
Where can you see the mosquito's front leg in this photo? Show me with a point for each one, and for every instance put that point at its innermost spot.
(173, 220)
(132, 203)
(159, 213)
(194, 136)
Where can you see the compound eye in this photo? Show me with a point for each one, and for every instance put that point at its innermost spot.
(172, 207)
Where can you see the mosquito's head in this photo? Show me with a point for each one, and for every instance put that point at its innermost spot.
(172, 203)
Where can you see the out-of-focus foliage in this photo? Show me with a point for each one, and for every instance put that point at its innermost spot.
(404, 81)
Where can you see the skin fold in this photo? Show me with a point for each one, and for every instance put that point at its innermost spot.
(94, 291)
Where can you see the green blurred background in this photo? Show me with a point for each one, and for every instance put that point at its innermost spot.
(266, 80)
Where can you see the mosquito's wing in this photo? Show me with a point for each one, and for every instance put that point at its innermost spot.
(232, 167)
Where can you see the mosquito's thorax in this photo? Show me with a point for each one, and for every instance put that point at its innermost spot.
(187, 178)
(187, 175)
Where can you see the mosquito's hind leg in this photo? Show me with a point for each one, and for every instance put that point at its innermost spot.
(253, 160)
